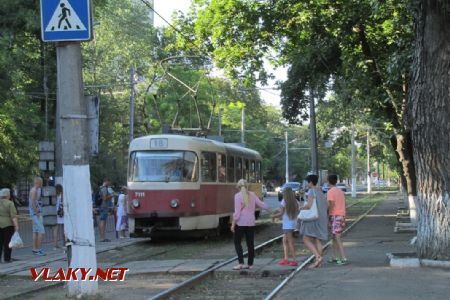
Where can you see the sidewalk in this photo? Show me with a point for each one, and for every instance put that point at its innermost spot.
(369, 276)
(24, 259)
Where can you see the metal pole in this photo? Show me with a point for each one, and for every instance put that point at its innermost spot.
(45, 93)
(286, 145)
(312, 126)
(369, 183)
(132, 104)
(79, 228)
(243, 126)
(220, 121)
(353, 163)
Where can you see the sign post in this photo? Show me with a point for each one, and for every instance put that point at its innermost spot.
(68, 22)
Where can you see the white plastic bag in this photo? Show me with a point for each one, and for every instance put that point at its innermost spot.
(16, 241)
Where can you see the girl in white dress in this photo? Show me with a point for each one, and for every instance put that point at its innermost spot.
(122, 219)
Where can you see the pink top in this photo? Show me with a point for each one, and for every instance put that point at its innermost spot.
(338, 197)
(245, 216)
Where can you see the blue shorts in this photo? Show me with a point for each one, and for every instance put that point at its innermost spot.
(38, 224)
(104, 212)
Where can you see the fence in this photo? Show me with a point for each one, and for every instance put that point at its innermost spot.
(26, 230)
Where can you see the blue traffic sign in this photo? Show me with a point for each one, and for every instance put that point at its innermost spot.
(65, 20)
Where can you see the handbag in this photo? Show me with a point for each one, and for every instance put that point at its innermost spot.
(310, 214)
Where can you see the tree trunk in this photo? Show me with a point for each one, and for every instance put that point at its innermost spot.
(428, 113)
(404, 152)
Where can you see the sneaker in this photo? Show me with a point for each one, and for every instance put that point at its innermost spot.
(293, 263)
(283, 262)
(39, 253)
(341, 262)
(332, 260)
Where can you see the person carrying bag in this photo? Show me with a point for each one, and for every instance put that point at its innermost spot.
(314, 220)
(9, 225)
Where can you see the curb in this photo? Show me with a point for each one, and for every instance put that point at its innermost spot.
(410, 260)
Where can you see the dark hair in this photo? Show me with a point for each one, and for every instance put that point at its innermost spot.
(59, 189)
(312, 178)
(332, 179)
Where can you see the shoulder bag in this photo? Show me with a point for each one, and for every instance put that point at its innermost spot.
(310, 214)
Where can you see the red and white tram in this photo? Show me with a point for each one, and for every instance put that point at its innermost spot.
(181, 183)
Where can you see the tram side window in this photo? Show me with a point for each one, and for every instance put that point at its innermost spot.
(222, 163)
(246, 168)
(230, 171)
(258, 172)
(252, 172)
(238, 168)
(209, 167)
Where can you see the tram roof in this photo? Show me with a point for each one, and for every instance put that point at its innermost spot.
(199, 143)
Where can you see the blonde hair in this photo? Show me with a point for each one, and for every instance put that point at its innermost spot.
(38, 179)
(242, 185)
(291, 203)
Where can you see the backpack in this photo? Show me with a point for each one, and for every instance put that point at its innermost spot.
(98, 197)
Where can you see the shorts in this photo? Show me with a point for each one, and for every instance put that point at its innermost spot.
(288, 231)
(38, 224)
(104, 212)
(337, 224)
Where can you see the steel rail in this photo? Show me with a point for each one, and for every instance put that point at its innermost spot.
(204, 274)
(278, 288)
(190, 281)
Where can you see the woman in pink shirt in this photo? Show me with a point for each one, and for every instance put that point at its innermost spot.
(243, 223)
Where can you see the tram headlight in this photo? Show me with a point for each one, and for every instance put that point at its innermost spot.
(135, 203)
(174, 203)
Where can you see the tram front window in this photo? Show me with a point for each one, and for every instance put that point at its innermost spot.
(163, 166)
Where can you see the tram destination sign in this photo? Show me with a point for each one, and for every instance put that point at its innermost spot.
(159, 143)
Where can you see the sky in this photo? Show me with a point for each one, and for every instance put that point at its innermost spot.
(167, 7)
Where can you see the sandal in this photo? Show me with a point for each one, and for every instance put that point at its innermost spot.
(238, 267)
(293, 263)
(317, 263)
(341, 261)
(283, 262)
(332, 260)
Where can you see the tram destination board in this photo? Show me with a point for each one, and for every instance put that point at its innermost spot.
(159, 143)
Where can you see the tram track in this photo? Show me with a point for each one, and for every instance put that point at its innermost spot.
(216, 282)
(220, 290)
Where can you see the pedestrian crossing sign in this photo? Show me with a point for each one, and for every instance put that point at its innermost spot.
(65, 20)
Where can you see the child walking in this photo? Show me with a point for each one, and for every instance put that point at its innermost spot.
(336, 200)
(289, 212)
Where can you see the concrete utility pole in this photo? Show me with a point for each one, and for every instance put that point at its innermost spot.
(312, 127)
(353, 163)
(78, 225)
(132, 82)
(243, 126)
(286, 143)
(369, 181)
